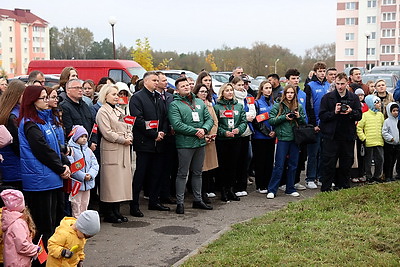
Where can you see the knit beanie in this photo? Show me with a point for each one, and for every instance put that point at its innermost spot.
(13, 200)
(80, 130)
(370, 100)
(88, 222)
(393, 105)
(359, 91)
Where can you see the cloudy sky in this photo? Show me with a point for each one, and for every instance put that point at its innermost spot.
(187, 26)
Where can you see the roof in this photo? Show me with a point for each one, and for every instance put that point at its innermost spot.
(22, 16)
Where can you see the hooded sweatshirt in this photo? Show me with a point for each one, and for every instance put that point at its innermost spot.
(18, 246)
(249, 108)
(369, 128)
(390, 130)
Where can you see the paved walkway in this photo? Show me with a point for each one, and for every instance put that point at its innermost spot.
(165, 238)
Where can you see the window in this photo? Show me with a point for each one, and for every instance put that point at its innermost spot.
(11, 60)
(371, 51)
(387, 63)
(389, 2)
(10, 39)
(349, 51)
(25, 60)
(25, 29)
(348, 65)
(10, 28)
(350, 36)
(11, 49)
(387, 49)
(373, 36)
(371, 19)
(386, 33)
(389, 16)
(42, 49)
(350, 21)
(26, 50)
(351, 6)
(372, 3)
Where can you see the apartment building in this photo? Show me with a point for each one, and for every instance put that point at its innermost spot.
(367, 33)
(23, 37)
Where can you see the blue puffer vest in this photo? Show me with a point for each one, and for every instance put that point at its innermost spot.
(318, 90)
(35, 175)
(11, 166)
(301, 98)
(262, 106)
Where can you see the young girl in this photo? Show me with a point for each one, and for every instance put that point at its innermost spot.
(80, 149)
(391, 148)
(369, 129)
(18, 230)
(263, 140)
(285, 116)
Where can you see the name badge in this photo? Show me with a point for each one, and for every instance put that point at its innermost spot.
(198, 106)
(195, 116)
(231, 123)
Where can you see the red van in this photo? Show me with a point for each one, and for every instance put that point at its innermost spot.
(119, 70)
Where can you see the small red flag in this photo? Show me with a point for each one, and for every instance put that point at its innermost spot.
(42, 254)
(73, 131)
(151, 125)
(94, 129)
(262, 117)
(77, 165)
(123, 100)
(250, 100)
(75, 187)
(129, 119)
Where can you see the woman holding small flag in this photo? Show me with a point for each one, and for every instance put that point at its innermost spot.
(116, 163)
(42, 168)
(263, 139)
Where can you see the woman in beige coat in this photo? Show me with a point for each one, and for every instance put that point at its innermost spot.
(116, 164)
(210, 160)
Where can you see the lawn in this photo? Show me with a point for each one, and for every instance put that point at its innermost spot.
(354, 227)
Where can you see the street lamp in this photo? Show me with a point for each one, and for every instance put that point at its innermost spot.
(367, 35)
(276, 62)
(112, 21)
(169, 60)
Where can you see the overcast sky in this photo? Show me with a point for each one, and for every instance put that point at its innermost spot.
(188, 26)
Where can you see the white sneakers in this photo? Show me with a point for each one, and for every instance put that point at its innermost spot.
(211, 195)
(270, 195)
(262, 191)
(241, 194)
(311, 185)
(299, 186)
(294, 194)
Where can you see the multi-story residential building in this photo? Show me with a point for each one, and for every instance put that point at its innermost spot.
(367, 33)
(23, 37)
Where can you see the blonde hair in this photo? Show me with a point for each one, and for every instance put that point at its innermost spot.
(104, 91)
(222, 90)
(26, 215)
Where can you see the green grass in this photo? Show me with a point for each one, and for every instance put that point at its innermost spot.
(354, 227)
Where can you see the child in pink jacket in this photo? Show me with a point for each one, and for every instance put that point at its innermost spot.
(18, 230)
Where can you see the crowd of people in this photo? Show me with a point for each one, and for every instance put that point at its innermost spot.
(80, 143)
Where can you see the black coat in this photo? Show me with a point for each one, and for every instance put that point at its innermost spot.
(333, 125)
(147, 106)
(77, 114)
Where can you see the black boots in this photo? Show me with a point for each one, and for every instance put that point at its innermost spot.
(117, 213)
(232, 196)
(227, 194)
(109, 214)
(180, 209)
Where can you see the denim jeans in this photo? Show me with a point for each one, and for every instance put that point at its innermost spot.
(314, 160)
(284, 149)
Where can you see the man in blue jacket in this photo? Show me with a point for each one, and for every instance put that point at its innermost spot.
(315, 90)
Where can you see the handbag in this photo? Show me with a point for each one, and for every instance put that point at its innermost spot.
(5, 137)
(304, 134)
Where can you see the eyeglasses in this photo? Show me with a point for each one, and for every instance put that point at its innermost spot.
(203, 91)
(54, 97)
(37, 81)
(76, 87)
(46, 98)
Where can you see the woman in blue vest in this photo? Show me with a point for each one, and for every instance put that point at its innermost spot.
(10, 102)
(263, 140)
(42, 170)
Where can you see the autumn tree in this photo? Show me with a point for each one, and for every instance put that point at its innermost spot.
(142, 54)
(210, 60)
(324, 52)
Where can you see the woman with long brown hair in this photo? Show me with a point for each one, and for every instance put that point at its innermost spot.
(286, 115)
(10, 102)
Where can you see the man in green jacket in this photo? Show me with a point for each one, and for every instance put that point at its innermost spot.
(191, 121)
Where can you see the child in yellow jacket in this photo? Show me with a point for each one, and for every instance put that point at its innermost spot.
(369, 129)
(65, 247)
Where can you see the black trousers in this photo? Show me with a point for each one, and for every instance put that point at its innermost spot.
(332, 150)
(228, 152)
(241, 174)
(148, 166)
(263, 155)
(170, 169)
(391, 156)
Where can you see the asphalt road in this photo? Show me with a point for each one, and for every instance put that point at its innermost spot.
(166, 238)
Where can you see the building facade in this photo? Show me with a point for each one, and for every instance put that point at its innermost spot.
(23, 37)
(367, 33)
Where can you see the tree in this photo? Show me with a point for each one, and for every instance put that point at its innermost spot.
(142, 54)
(324, 52)
(210, 60)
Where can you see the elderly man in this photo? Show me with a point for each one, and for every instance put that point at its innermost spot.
(237, 72)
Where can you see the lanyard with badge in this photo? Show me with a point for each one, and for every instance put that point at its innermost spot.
(229, 113)
(195, 115)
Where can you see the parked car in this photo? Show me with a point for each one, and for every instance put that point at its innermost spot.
(223, 78)
(386, 69)
(390, 79)
(51, 79)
